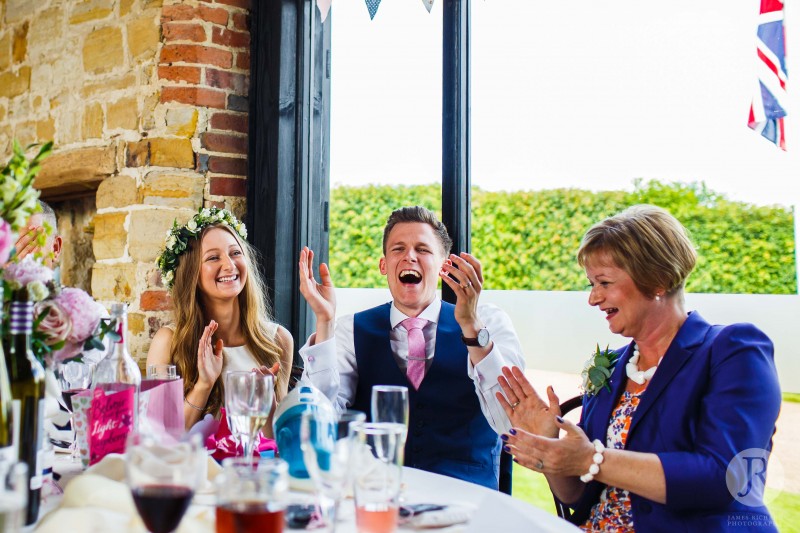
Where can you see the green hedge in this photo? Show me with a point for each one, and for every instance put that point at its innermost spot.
(528, 239)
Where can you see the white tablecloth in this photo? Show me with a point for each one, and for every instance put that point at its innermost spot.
(99, 501)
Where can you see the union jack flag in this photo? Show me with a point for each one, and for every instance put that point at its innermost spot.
(768, 107)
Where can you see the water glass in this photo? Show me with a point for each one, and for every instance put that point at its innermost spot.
(163, 372)
(251, 496)
(163, 474)
(13, 495)
(377, 468)
(390, 404)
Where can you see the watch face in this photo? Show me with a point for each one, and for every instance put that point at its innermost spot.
(483, 337)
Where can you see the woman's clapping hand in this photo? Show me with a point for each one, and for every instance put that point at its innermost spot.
(523, 405)
(568, 456)
(209, 356)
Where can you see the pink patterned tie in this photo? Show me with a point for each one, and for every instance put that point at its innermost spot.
(416, 350)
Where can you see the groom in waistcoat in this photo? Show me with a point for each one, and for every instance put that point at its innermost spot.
(449, 356)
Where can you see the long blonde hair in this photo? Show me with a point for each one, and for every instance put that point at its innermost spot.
(190, 319)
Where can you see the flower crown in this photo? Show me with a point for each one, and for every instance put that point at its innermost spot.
(177, 239)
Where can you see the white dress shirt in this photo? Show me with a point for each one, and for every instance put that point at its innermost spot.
(331, 365)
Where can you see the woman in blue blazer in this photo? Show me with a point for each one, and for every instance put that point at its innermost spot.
(677, 435)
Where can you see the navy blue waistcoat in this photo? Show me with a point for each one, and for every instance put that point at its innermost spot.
(447, 432)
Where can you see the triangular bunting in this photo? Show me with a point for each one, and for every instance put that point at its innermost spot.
(324, 6)
(372, 7)
(428, 4)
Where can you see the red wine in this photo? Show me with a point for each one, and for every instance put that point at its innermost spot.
(162, 506)
(248, 517)
(67, 396)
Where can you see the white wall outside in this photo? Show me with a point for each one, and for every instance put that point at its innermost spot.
(558, 330)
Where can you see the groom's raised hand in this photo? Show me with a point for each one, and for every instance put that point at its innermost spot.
(321, 296)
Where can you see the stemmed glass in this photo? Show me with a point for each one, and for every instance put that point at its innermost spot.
(248, 402)
(163, 474)
(73, 377)
(326, 444)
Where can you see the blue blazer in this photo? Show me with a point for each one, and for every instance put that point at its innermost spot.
(715, 394)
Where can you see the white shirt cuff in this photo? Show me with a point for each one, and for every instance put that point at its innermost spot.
(486, 372)
(319, 357)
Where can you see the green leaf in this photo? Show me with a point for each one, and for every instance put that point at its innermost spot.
(596, 376)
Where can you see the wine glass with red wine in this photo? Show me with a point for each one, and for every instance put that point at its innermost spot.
(163, 474)
(73, 377)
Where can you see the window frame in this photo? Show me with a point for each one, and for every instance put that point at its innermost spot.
(288, 185)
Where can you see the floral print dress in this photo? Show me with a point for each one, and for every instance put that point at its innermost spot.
(613, 512)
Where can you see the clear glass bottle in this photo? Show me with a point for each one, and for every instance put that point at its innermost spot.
(26, 377)
(118, 367)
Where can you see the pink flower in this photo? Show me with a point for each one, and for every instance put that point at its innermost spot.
(56, 324)
(70, 350)
(7, 239)
(83, 311)
(27, 271)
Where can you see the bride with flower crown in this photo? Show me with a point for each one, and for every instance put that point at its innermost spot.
(221, 317)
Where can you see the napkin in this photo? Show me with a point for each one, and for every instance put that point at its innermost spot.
(223, 444)
(99, 501)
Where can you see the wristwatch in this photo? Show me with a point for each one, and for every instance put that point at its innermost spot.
(481, 340)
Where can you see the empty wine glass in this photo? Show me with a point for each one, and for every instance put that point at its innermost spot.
(163, 474)
(73, 377)
(326, 444)
(248, 402)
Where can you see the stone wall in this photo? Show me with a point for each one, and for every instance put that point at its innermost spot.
(146, 101)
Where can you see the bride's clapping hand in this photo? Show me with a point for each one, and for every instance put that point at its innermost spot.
(209, 356)
(523, 405)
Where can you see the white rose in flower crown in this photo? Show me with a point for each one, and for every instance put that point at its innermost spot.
(191, 225)
(205, 213)
(171, 241)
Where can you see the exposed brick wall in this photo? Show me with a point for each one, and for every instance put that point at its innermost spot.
(147, 103)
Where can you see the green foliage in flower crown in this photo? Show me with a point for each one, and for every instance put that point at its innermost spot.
(17, 195)
(177, 238)
(527, 240)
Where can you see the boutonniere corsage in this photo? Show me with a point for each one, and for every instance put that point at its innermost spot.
(597, 370)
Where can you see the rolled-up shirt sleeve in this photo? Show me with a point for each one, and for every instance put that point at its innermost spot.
(506, 351)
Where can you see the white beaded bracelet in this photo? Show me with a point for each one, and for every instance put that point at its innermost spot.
(597, 460)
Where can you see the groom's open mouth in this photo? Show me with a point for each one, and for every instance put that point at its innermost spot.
(610, 312)
(410, 276)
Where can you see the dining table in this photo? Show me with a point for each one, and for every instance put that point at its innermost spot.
(98, 500)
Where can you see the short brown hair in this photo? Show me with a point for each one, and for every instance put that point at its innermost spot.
(418, 214)
(646, 242)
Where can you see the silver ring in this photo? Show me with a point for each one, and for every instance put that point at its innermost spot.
(514, 405)
(539, 465)
(467, 285)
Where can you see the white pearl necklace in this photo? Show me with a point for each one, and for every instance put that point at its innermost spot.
(632, 368)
